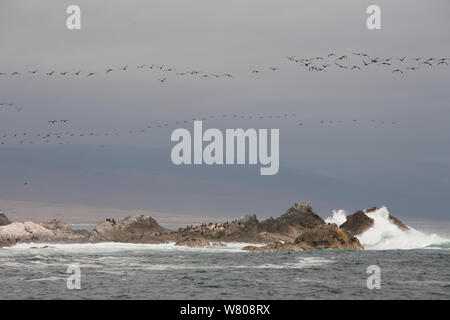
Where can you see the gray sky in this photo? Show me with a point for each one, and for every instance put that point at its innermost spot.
(405, 166)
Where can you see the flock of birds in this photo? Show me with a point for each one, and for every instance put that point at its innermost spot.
(344, 62)
(313, 64)
(354, 62)
(398, 65)
(67, 137)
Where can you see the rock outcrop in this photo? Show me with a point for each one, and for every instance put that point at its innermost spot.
(319, 237)
(3, 219)
(293, 222)
(299, 228)
(357, 223)
(53, 231)
(137, 229)
(328, 237)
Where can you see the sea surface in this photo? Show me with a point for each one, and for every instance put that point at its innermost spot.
(413, 265)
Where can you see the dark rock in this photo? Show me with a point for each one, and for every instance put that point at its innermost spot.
(357, 223)
(320, 237)
(293, 222)
(328, 237)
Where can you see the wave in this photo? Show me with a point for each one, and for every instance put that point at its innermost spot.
(113, 247)
(385, 235)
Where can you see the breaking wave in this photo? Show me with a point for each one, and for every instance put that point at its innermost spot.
(385, 235)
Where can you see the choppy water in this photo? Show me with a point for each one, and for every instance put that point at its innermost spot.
(135, 271)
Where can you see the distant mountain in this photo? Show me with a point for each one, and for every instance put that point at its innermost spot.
(133, 178)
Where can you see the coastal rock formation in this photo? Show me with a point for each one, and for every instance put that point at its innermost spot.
(328, 237)
(357, 223)
(3, 219)
(320, 237)
(293, 222)
(137, 228)
(32, 232)
(299, 228)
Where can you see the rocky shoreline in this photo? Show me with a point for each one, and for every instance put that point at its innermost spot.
(299, 228)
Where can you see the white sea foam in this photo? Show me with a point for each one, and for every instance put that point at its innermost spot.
(385, 235)
(338, 217)
(113, 247)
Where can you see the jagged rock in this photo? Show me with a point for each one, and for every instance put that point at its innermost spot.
(32, 232)
(357, 223)
(320, 237)
(3, 219)
(137, 228)
(23, 232)
(328, 237)
(293, 222)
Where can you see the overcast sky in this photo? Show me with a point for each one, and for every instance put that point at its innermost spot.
(408, 161)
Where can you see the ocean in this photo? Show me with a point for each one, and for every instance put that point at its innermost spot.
(413, 265)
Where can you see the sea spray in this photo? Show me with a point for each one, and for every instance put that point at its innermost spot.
(338, 217)
(386, 235)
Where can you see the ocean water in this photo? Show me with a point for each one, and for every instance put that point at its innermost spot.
(413, 265)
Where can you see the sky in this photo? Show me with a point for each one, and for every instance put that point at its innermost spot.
(339, 165)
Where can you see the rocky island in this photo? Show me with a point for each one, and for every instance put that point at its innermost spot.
(299, 228)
